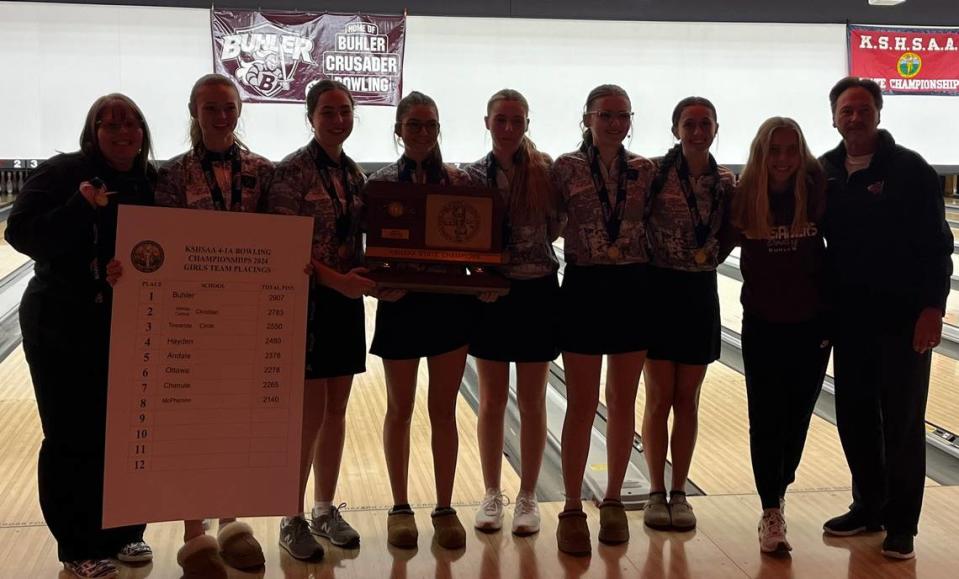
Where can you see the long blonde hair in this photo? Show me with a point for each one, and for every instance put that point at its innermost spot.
(751, 212)
(531, 191)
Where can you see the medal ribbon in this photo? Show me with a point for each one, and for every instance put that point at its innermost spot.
(344, 216)
(700, 226)
(492, 167)
(612, 214)
(206, 163)
(434, 175)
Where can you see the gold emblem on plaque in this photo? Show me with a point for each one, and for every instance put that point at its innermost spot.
(395, 209)
(458, 221)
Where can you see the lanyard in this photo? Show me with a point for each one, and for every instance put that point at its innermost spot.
(612, 214)
(492, 181)
(701, 226)
(344, 216)
(434, 174)
(206, 162)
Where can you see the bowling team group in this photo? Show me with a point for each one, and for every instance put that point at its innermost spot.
(642, 240)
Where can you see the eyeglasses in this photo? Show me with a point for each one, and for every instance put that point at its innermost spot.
(416, 127)
(609, 116)
(113, 127)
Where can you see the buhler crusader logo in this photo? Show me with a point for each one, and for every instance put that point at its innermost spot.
(909, 65)
(458, 221)
(267, 57)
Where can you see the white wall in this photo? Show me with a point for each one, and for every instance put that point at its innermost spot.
(57, 58)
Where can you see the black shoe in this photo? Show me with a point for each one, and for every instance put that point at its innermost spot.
(898, 546)
(851, 523)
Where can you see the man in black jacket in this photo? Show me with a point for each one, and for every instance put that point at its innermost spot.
(890, 247)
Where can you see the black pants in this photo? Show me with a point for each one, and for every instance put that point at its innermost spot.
(67, 355)
(881, 390)
(785, 365)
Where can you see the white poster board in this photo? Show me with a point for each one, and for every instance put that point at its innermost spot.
(207, 351)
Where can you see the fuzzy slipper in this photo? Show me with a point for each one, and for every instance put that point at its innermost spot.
(238, 547)
(200, 559)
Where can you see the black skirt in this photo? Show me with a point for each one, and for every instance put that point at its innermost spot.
(603, 309)
(423, 324)
(686, 316)
(520, 326)
(335, 334)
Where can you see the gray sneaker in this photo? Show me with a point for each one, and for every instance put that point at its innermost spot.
(296, 539)
(335, 529)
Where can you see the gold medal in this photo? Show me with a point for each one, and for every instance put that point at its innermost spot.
(101, 198)
(343, 251)
(614, 253)
(700, 256)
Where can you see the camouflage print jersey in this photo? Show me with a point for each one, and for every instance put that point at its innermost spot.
(586, 241)
(402, 171)
(672, 236)
(183, 183)
(299, 189)
(529, 248)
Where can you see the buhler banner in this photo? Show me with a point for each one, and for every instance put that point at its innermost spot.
(278, 56)
(906, 60)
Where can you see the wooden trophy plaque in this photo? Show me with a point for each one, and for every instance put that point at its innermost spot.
(435, 238)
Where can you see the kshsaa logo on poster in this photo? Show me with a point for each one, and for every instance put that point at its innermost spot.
(147, 256)
(267, 57)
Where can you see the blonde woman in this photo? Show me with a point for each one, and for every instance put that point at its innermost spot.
(777, 220)
(517, 327)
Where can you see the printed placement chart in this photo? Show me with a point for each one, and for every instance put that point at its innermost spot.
(207, 351)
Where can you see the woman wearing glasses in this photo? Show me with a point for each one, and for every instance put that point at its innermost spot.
(603, 187)
(218, 173)
(517, 327)
(414, 325)
(687, 208)
(65, 219)
(321, 181)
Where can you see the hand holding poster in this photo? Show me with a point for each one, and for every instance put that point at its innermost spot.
(277, 56)
(906, 60)
(207, 351)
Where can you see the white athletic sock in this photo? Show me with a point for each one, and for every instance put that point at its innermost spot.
(321, 508)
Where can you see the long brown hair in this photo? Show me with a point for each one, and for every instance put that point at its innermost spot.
(751, 213)
(88, 136)
(312, 100)
(531, 191)
(196, 135)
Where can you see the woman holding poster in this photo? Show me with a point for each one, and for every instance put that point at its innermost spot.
(65, 220)
(218, 164)
(415, 325)
(687, 207)
(321, 181)
(603, 187)
(517, 327)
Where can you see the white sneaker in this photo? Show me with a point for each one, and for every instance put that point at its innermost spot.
(526, 515)
(489, 516)
(772, 532)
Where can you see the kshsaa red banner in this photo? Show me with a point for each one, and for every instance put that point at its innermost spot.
(906, 60)
(278, 56)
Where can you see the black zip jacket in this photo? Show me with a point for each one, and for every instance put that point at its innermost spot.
(888, 240)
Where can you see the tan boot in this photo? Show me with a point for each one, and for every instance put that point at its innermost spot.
(656, 513)
(572, 533)
(613, 525)
(448, 530)
(401, 529)
(200, 559)
(238, 547)
(681, 512)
